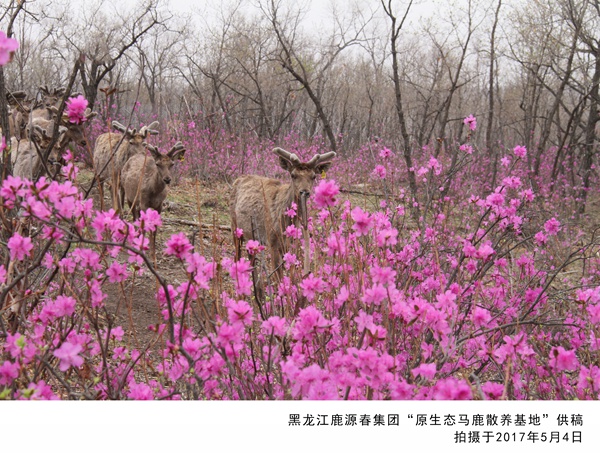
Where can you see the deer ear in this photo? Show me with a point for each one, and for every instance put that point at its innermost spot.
(178, 154)
(285, 164)
(322, 168)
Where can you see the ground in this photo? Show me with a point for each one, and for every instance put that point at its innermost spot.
(200, 210)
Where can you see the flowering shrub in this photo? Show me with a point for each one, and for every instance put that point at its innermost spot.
(7, 47)
(76, 109)
(482, 294)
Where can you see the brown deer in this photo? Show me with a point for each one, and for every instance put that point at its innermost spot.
(26, 154)
(144, 180)
(111, 152)
(259, 204)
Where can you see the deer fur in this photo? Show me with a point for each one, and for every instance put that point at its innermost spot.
(258, 204)
(111, 152)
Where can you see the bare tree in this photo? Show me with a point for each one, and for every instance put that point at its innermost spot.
(310, 73)
(103, 36)
(396, 27)
(11, 12)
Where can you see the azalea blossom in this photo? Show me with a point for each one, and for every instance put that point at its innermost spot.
(68, 353)
(520, 151)
(471, 121)
(325, 194)
(76, 109)
(7, 47)
(19, 246)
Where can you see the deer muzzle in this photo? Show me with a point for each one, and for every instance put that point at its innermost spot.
(304, 194)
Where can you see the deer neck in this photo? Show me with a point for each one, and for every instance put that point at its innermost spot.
(282, 201)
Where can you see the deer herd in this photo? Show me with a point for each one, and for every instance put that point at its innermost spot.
(139, 173)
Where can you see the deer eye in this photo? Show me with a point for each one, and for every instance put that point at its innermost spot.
(314, 176)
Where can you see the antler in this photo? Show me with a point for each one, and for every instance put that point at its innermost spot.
(287, 155)
(89, 114)
(177, 147)
(320, 158)
(151, 148)
(145, 130)
(118, 126)
(327, 156)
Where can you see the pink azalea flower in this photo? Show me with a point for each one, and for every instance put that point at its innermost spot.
(364, 321)
(76, 109)
(7, 47)
(19, 246)
(466, 148)
(40, 391)
(480, 317)
(493, 390)
(379, 172)
(541, 238)
(178, 245)
(452, 389)
(311, 286)
(68, 353)
(293, 232)
(274, 324)
(239, 311)
(471, 121)
(8, 372)
(150, 219)
(485, 251)
(140, 391)
(117, 272)
(363, 221)
(385, 153)
(2, 274)
(520, 151)
(561, 359)
(374, 295)
(426, 370)
(64, 306)
(552, 226)
(254, 247)
(325, 194)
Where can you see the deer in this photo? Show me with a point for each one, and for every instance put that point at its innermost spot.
(111, 152)
(259, 204)
(75, 131)
(26, 154)
(144, 180)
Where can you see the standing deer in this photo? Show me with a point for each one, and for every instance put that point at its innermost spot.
(144, 180)
(112, 151)
(259, 204)
(26, 154)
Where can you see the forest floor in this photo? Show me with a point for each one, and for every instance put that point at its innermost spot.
(199, 210)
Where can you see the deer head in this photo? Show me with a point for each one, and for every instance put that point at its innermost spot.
(303, 176)
(164, 162)
(135, 137)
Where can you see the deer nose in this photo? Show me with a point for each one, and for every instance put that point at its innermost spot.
(167, 180)
(304, 193)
